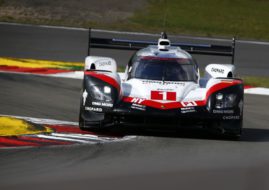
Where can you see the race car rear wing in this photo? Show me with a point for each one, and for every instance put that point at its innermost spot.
(125, 44)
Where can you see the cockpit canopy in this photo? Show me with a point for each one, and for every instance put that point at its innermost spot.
(165, 69)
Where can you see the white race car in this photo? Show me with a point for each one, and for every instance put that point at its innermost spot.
(161, 86)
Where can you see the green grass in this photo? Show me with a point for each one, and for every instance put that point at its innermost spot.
(256, 81)
(241, 18)
(219, 18)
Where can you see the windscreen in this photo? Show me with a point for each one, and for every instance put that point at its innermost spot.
(164, 69)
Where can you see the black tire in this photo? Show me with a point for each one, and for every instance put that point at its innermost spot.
(231, 126)
(88, 127)
(231, 129)
(81, 122)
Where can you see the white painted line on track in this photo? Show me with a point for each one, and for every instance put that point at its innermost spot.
(87, 137)
(64, 139)
(257, 91)
(138, 33)
(77, 136)
(73, 75)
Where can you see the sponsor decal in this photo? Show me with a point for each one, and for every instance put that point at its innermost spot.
(231, 117)
(137, 100)
(188, 110)
(93, 109)
(189, 104)
(166, 90)
(163, 82)
(217, 70)
(138, 107)
(162, 95)
(103, 63)
(175, 104)
(104, 104)
(84, 96)
(223, 111)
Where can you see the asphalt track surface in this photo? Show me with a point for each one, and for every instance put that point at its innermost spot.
(154, 160)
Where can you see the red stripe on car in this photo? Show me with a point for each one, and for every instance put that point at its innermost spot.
(174, 105)
(163, 95)
(104, 78)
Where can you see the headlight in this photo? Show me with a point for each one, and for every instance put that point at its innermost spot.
(225, 101)
(229, 100)
(219, 100)
(107, 90)
(219, 96)
(101, 93)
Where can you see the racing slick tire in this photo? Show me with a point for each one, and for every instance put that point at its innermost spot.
(92, 127)
(231, 129)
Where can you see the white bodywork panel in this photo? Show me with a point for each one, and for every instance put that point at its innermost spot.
(219, 70)
(185, 91)
(140, 88)
(101, 63)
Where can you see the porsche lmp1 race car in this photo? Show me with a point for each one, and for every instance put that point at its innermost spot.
(161, 85)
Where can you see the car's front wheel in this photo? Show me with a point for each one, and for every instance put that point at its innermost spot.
(89, 126)
(231, 129)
